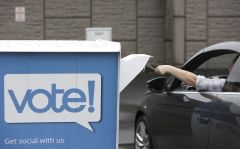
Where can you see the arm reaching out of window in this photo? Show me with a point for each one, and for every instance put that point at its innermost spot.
(183, 75)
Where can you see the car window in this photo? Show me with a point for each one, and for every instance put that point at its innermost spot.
(213, 67)
(216, 66)
(233, 81)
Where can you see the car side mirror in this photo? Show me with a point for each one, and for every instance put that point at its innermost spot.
(157, 85)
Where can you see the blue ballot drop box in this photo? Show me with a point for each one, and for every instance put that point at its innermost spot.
(59, 94)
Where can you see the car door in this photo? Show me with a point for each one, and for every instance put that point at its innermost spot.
(182, 116)
(225, 128)
(182, 119)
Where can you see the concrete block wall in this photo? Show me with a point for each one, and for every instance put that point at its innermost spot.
(196, 27)
(209, 22)
(169, 30)
(138, 25)
(169, 53)
(178, 31)
(121, 16)
(151, 29)
(33, 28)
(66, 20)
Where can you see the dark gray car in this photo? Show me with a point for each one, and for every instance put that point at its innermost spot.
(174, 115)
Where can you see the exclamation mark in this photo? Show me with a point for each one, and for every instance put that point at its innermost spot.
(91, 85)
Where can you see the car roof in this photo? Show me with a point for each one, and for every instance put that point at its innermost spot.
(231, 46)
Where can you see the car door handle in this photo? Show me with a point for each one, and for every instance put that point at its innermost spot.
(203, 120)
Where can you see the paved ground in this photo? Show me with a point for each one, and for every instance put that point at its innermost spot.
(130, 98)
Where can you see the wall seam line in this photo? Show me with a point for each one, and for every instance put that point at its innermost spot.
(44, 21)
(136, 26)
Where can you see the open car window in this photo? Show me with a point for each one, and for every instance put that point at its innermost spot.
(215, 66)
(232, 83)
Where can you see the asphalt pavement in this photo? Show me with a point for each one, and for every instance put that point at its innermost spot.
(130, 98)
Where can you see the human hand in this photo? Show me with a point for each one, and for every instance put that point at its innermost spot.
(162, 69)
